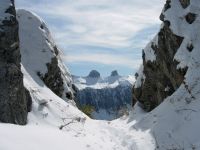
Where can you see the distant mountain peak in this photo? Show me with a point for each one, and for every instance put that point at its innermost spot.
(94, 74)
(114, 73)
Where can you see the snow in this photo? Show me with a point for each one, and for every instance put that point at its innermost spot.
(98, 135)
(149, 52)
(190, 32)
(100, 83)
(42, 131)
(50, 113)
(141, 77)
(36, 54)
(54, 123)
(110, 96)
(175, 124)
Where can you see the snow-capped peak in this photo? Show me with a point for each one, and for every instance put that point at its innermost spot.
(98, 82)
(94, 74)
(114, 73)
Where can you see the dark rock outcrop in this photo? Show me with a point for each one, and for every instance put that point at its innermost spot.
(53, 78)
(162, 77)
(190, 47)
(15, 100)
(94, 74)
(190, 18)
(162, 17)
(167, 5)
(185, 3)
(114, 73)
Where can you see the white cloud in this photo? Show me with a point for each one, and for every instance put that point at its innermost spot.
(106, 59)
(113, 24)
(102, 22)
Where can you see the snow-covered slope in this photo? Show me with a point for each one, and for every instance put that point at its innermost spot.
(56, 124)
(109, 96)
(41, 56)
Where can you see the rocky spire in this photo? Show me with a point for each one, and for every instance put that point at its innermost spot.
(94, 74)
(114, 73)
(15, 101)
(162, 78)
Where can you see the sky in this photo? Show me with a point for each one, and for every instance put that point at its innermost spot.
(104, 35)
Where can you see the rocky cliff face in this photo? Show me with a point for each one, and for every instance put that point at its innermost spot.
(172, 67)
(15, 101)
(40, 55)
(161, 77)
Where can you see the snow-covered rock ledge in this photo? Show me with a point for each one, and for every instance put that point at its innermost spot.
(40, 55)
